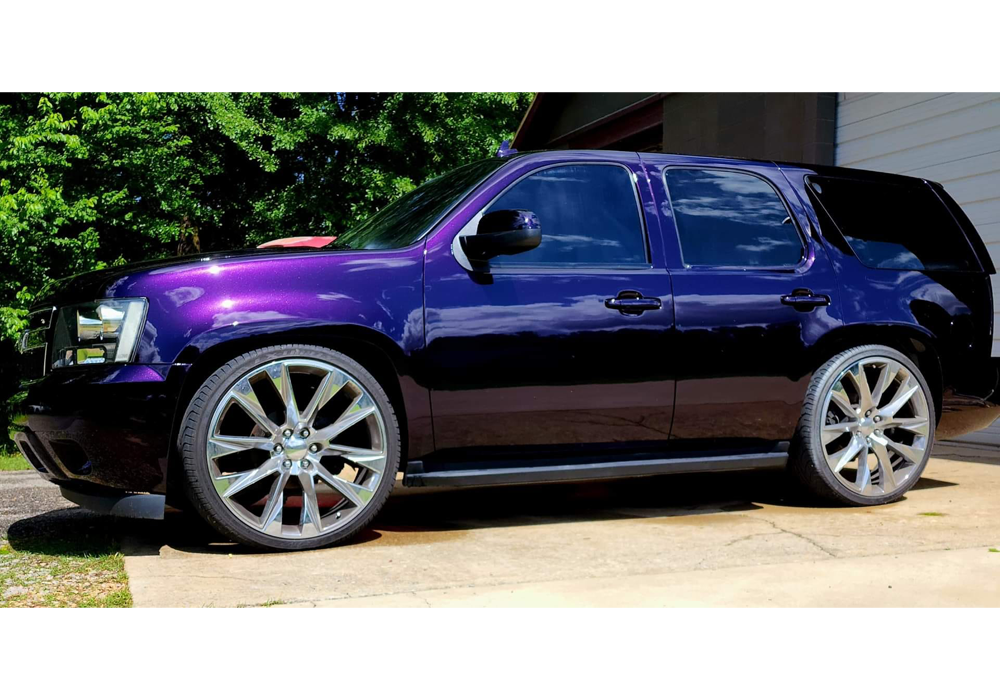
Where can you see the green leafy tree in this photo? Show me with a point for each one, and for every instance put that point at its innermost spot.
(89, 180)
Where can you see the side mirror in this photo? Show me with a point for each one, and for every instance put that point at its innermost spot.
(504, 232)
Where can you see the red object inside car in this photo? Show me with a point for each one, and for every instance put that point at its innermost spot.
(299, 242)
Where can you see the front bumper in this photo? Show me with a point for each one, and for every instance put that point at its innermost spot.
(105, 427)
(148, 506)
(95, 498)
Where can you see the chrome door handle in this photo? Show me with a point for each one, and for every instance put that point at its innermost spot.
(633, 303)
(805, 300)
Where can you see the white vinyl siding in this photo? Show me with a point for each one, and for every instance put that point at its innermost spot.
(951, 138)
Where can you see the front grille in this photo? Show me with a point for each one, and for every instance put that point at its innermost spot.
(35, 343)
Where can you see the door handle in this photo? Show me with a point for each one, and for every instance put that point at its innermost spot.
(632, 303)
(805, 300)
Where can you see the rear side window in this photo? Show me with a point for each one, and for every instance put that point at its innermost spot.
(589, 215)
(895, 226)
(731, 219)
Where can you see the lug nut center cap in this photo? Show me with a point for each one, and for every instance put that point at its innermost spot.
(295, 447)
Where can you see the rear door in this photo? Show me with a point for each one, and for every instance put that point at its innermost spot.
(538, 354)
(753, 293)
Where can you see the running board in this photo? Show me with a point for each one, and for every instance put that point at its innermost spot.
(418, 474)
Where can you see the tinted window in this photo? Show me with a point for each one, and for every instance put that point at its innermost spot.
(409, 218)
(731, 219)
(895, 226)
(589, 216)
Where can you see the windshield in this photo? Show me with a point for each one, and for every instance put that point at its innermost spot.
(410, 217)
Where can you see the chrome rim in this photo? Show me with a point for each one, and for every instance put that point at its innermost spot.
(296, 448)
(875, 428)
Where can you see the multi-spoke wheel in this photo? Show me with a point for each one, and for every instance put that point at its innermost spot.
(867, 427)
(290, 447)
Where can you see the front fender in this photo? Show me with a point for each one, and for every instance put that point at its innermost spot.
(195, 307)
(202, 314)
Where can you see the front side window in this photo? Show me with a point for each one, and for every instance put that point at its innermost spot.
(589, 216)
(731, 219)
(895, 226)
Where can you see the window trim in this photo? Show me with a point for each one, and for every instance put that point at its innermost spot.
(469, 229)
(803, 239)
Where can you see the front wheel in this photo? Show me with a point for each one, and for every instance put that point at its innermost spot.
(290, 447)
(866, 429)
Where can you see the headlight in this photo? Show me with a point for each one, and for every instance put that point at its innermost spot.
(98, 332)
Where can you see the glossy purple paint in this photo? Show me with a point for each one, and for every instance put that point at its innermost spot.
(533, 357)
(524, 360)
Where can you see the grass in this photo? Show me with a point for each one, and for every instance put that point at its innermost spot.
(76, 565)
(270, 603)
(932, 514)
(13, 463)
(994, 550)
(61, 561)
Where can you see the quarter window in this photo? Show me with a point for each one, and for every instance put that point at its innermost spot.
(731, 219)
(589, 215)
(895, 226)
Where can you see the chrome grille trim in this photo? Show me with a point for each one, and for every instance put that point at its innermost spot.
(36, 337)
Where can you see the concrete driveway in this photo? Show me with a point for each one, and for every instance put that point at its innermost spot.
(739, 539)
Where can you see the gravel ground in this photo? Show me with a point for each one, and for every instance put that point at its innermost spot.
(26, 495)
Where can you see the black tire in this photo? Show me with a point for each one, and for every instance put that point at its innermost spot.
(198, 487)
(807, 460)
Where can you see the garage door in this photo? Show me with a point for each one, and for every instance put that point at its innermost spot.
(953, 138)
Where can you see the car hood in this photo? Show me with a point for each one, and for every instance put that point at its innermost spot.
(101, 284)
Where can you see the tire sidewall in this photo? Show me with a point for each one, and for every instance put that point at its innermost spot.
(193, 440)
(815, 437)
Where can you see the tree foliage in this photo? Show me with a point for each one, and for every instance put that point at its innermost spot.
(89, 180)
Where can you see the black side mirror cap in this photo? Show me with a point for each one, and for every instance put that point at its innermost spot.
(504, 232)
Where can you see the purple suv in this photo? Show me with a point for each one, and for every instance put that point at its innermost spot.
(543, 316)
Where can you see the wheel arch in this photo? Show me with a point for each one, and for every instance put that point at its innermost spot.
(376, 352)
(916, 343)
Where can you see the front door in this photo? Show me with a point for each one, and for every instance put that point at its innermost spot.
(753, 293)
(539, 354)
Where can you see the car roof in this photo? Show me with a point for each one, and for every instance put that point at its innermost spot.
(821, 170)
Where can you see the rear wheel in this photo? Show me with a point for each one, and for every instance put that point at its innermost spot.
(290, 447)
(867, 427)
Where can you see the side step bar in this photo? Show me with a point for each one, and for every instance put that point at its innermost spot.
(418, 475)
